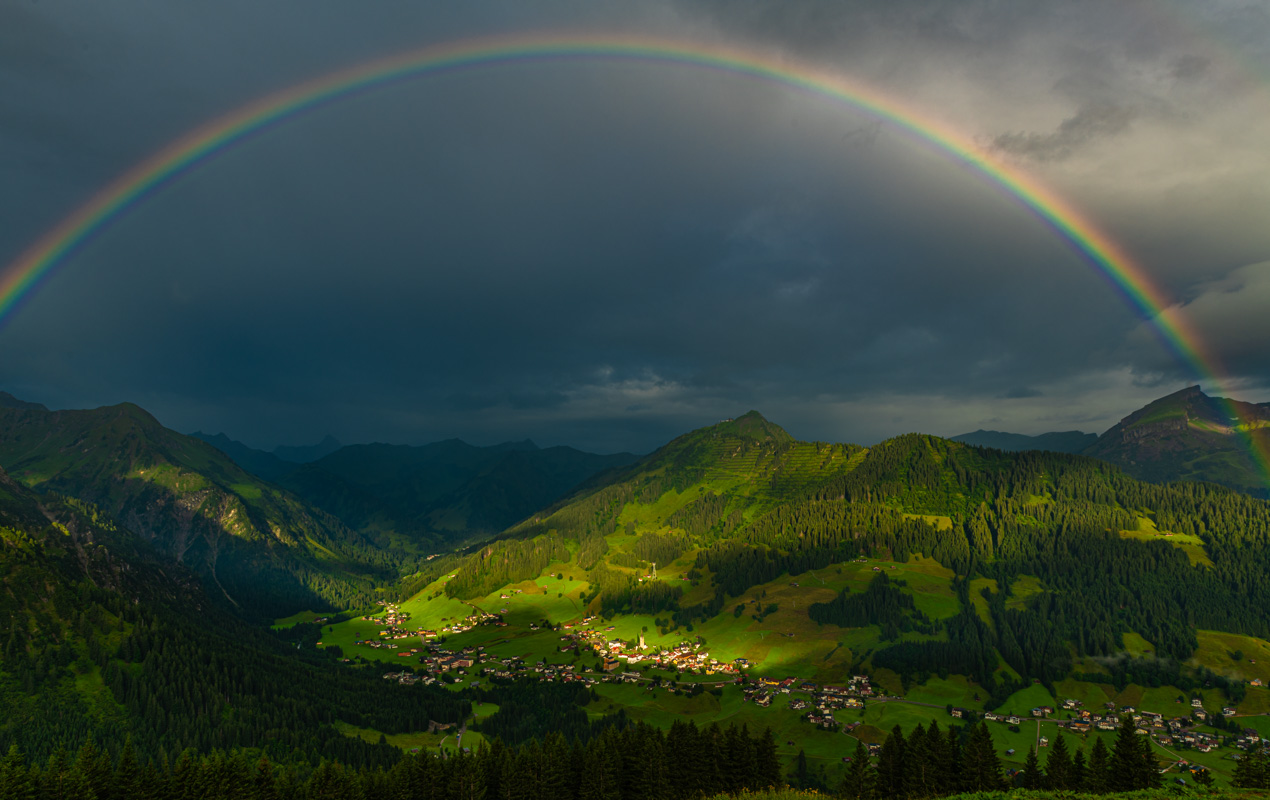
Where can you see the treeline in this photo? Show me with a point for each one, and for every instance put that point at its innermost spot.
(934, 763)
(636, 762)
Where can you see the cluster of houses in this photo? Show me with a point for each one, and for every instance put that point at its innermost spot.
(820, 701)
(1176, 732)
(685, 656)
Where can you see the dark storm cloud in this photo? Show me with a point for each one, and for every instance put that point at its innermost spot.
(601, 254)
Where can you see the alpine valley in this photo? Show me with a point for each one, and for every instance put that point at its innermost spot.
(183, 616)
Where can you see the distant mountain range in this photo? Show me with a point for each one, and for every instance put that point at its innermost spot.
(1055, 442)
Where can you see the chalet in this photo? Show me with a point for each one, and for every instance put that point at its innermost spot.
(961, 713)
(1012, 720)
(1228, 712)
(992, 716)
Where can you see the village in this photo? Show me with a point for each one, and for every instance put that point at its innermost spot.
(632, 661)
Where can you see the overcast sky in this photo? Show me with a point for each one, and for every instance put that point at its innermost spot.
(607, 254)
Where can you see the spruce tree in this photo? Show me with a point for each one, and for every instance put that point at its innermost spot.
(919, 777)
(1058, 766)
(15, 778)
(127, 783)
(858, 782)
(980, 765)
(1031, 777)
(1250, 770)
(1126, 762)
(891, 766)
(1096, 779)
(952, 749)
(1150, 770)
(767, 766)
(1076, 777)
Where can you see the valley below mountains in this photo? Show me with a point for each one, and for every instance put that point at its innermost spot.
(162, 598)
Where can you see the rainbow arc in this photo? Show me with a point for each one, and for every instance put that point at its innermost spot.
(20, 279)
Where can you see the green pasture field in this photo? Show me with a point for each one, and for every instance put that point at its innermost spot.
(1215, 652)
(1192, 545)
(1023, 588)
(954, 690)
(977, 585)
(296, 619)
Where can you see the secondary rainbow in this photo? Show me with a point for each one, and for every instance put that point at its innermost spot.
(24, 274)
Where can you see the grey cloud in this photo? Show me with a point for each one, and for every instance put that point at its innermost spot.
(1021, 393)
(1090, 123)
(1189, 67)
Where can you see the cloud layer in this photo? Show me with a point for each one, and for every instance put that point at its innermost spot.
(607, 253)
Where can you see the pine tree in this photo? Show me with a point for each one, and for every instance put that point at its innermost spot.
(1126, 759)
(1076, 777)
(980, 765)
(1096, 778)
(1058, 766)
(15, 778)
(767, 766)
(858, 782)
(262, 782)
(1250, 770)
(919, 778)
(1150, 770)
(891, 766)
(952, 752)
(94, 765)
(127, 782)
(1031, 777)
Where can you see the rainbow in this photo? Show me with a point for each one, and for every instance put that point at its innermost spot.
(25, 274)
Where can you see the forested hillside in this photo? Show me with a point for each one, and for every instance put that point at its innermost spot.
(264, 552)
(741, 504)
(102, 639)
